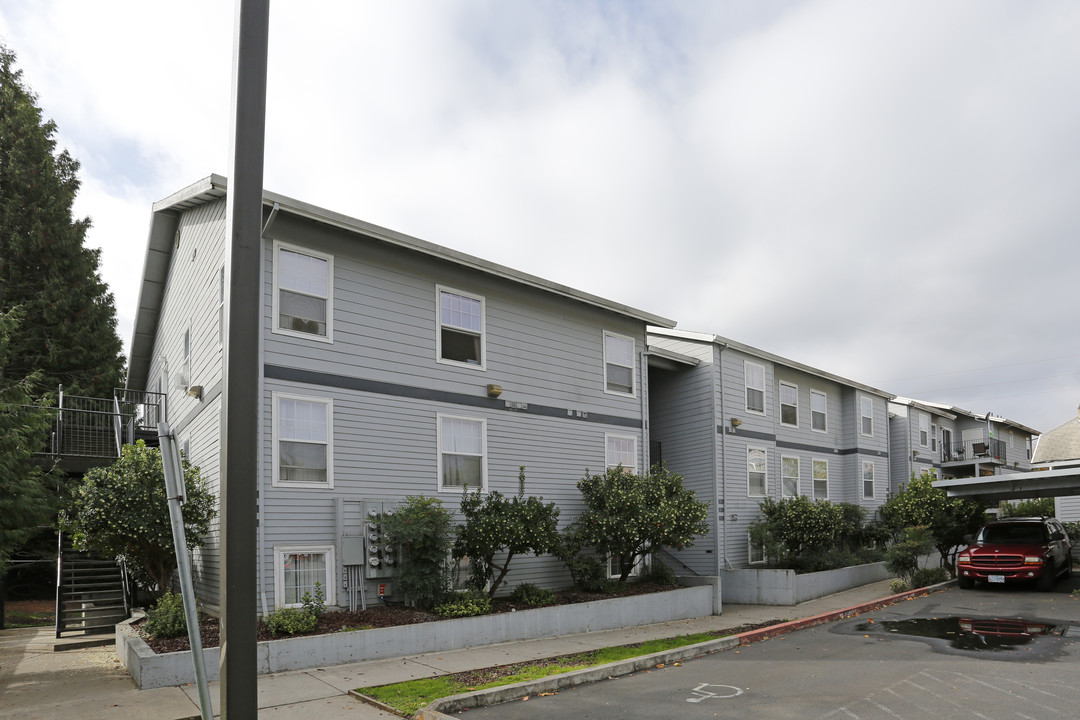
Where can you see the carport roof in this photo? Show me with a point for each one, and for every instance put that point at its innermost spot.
(1015, 486)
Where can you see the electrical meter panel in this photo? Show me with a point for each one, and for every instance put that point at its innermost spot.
(381, 557)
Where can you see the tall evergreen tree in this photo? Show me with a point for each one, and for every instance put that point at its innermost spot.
(68, 335)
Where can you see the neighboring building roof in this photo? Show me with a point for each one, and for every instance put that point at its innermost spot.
(765, 355)
(1060, 444)
(982, 418)
(163, 226)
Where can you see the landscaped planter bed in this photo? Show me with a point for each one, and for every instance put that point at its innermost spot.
(151, 670)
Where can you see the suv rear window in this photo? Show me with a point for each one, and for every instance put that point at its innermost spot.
(1004, 533)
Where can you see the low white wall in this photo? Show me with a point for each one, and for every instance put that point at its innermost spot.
(150, 670)
(768, 586)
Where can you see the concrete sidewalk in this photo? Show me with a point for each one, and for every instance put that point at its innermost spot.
(90, 683)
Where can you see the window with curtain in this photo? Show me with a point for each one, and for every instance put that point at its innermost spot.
(618, 364)
(461, 452)
(302, 294)
(302, 440)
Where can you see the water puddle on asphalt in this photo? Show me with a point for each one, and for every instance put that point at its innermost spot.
(972, 634)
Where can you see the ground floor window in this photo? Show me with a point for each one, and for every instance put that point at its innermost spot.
(615, 567)
(297, 569)
(756, 551)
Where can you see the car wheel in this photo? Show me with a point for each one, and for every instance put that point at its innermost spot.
(965, 583)
(1045, 583)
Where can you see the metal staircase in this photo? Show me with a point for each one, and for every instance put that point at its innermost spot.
(91, 593)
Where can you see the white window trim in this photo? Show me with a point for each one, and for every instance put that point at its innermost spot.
(780, 402)
(641, 564)
(865, 398)
(749, 449)
(797, 477)
(863, 481)
(276, 436)
(747, 388)
(633, 368)
(276, 299)
(328, 588)
(814, 479)
(750, 553)
(221, 307)
(439, 290)
(924, 442)
(439, 417)
(825, 397)
(607, 458)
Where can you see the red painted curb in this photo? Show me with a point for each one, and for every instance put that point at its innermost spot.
(765, 633)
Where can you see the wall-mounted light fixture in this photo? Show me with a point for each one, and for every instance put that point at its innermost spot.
(494, 391)
(195, 391)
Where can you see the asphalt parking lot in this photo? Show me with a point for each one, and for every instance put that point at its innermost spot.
(1000, 652)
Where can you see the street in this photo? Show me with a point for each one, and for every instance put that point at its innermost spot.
(917, 659)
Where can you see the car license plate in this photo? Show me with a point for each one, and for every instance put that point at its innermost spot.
(995, 578)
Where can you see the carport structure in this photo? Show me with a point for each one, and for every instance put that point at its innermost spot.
(1015, 486)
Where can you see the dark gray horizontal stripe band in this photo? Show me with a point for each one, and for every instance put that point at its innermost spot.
(345, 382)
(787, 445)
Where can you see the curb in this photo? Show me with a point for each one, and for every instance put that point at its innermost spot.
(438, 709)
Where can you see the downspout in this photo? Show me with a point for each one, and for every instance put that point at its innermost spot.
(261, 539)
(643, 363)
(722, 540)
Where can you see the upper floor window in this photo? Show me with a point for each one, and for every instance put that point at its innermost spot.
(755, 386)
(789, 476)
(303, 297)
(462, 452)
(221, 307)
(757, 482)
(461, 328)
(1027, 447)
(789, 404)
(621, 450)
(303, 441)
(618, 364)
(821, 479)
(818, 411)
(868, 480)
(933, 437)
(924, 429)
(866, 406)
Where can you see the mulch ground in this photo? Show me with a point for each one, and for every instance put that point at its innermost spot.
(374, 617)
(20, 613)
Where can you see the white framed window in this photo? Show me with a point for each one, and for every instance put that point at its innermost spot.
(1027, 447)
(755, 551)
(614, 567)
(821, 479)
(933, 437)
(819, 411)
(221, 308)
(757, 474)
(755, 387)
(924, 429)
(296, 570)
(789, 476)
(184, 380)
(303, 293)
(621, 450)
(460, 337)
(866, 410)
(462, 452)
(867, 480)
(789, 404)
(618, 364)
(303, 438)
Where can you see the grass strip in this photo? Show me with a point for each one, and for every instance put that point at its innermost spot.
(408, 697)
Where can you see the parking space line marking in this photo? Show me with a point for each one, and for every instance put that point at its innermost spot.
(928, 712)
(1010, 694)
(883, 709)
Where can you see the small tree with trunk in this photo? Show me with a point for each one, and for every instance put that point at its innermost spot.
(508, 527)
(629, 516)
(121, 511)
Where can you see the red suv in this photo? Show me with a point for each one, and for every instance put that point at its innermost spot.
(1017, 550)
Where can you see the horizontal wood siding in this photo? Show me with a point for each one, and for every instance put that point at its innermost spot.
(203, 438)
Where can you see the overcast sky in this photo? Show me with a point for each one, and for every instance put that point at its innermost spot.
(889, 191)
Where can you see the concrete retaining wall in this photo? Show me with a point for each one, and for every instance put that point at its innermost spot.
(784, 587)
(151, 670)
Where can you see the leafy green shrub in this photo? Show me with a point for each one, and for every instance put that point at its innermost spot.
(1037, 507)
(897, 586)
(532, 595)
(657, 573)
(315, 605)
(464, 604)
(902, 557)
(495, 524)
(628, 516)
(165, 619)
(423, 529)
(586, 571)
(928, 576)
(290, 621)
(1073, 531)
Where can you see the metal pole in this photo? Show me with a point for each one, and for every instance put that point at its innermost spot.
(239, 435)
(176, 491)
